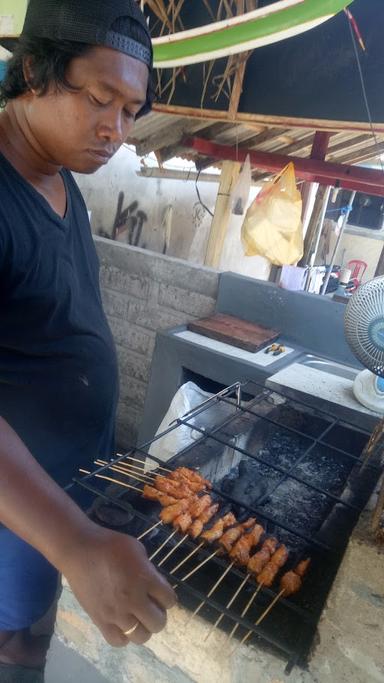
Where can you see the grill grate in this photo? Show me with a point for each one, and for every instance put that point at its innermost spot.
(232, 432)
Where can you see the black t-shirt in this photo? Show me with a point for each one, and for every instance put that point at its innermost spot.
(58, 369)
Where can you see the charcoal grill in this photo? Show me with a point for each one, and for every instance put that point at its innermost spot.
(297, 469)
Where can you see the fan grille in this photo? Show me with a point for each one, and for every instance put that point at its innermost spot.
(364, 325)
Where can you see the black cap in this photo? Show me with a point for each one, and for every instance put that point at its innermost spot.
(88, 21)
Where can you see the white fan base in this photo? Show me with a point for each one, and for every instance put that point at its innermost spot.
(367, 392)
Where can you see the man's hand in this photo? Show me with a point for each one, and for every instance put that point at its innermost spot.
(117, 586)
(109, 573)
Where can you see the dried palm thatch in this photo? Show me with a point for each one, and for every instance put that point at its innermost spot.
(168, 19)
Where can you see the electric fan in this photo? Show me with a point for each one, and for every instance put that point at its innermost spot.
(364, 331)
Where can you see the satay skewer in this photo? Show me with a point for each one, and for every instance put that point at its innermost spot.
(168, 514)
(201, 564)
(290, 583)
(227, 542)
(201, 511)
(245, 610)
(178, 514)
(159, 549)
(114, 481)
(148, 531)
(128, 473)
(180, 475)
(255, 565)
(129, 457)
(212, 590)
(210, 536)
(228, 605)
(240, 555)
(262, 616)
(191, 554)
(184, 538)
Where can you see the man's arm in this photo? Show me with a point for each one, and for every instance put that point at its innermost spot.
(108, 572)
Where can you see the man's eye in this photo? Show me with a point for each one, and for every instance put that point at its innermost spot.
(97, 102)
(128, 114)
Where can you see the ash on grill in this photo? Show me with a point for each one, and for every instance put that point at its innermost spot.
(297, 470)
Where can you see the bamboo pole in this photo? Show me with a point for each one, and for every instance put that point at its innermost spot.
(229, 174)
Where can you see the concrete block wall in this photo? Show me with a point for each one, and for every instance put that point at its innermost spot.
(144, 292)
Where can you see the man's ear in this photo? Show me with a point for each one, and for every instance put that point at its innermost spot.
(28, 72)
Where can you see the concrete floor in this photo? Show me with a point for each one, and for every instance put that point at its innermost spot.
(65, 665)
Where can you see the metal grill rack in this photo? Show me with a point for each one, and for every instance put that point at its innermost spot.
(311, 485)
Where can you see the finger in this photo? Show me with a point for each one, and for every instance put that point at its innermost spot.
(114, 635)
(160, 591)
(140, 635)
(150, 614)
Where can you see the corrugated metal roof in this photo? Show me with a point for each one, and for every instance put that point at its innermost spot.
(163, 133)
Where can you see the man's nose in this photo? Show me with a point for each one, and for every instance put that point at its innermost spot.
(114, 127)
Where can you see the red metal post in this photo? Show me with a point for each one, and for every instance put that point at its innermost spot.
(320, 145)
(356, 178)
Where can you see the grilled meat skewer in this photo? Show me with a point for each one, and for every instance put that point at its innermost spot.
(193, 511)
(184, 473)
(268, 573)
(292, 581)
(241, 549)
(151, 493)
(217, 530)
(197, 525)
(182, 522)
(302, 567)
(232, 535)
(169, 513)
(173, 488)
(258, 561)
(199, 505)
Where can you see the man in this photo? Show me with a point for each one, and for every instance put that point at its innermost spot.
(78, 79)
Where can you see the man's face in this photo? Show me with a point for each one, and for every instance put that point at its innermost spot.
(81, 130)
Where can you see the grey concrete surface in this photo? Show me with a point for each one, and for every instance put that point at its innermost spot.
(65, 665)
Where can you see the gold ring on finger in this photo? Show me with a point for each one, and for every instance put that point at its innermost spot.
(131, 630)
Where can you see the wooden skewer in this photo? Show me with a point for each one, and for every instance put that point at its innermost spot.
(129, 457)
(231, 601)
(201, 564)
(126, 472)
(187, 558)
(245, 610)
(263, 615)
(217, 584)
(149, 530)
(129, 467)
(163, 544)
(114, 481)
(172, 550)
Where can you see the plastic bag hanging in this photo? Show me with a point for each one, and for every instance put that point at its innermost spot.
(240, 192)
(272, 226)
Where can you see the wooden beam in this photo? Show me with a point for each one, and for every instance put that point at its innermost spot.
(323, 172)
(267, 120)
(229, 174)
(319, 148)
(174, 174)
(168, 136)
(237, 88)
(313, 225)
